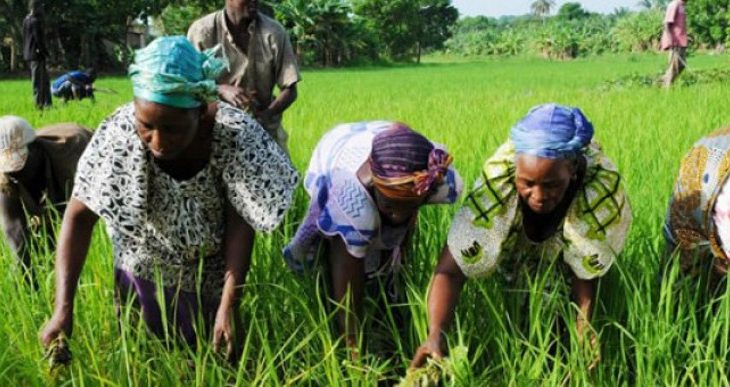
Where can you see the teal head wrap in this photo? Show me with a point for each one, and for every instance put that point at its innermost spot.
(170, 71)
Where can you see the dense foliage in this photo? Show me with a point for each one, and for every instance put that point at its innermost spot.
(654, 327)
(324, 32)
(573, 31)
(80, 32)
(711, 23)
(345, 32)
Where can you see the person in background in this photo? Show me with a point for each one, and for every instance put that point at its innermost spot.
(261, 57)
(36, 178)
(549, 202)
(182, 181)
(366, 182)
(74, 85)
(34, 52)
(675, 40)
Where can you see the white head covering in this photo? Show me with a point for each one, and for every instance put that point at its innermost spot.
(15, 135)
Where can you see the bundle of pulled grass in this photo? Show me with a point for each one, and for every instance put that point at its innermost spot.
(688, 78)
(453, 370)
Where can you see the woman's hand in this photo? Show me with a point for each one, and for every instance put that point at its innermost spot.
(60, 323)
(238, 97)
(73, 244)
(53, 338)
(432, 348)
(583, 292)
(223, 334)
(239, 240)
(443, 295)
(588, 342)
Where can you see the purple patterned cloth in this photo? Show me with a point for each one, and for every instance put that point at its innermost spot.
(399, 151)
(341, 206)
(183, 309)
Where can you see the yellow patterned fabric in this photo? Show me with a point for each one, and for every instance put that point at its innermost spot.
(689, 223)
(487, 232)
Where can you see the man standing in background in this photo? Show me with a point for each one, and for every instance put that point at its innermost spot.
(260, 56)
(675, 39)
(34, 52)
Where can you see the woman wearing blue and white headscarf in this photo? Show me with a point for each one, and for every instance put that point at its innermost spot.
(548, 198)
(181, 181)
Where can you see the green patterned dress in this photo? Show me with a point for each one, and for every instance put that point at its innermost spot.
(487, 233)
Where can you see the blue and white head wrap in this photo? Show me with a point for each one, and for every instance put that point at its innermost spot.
(170, 71)
(552, 131)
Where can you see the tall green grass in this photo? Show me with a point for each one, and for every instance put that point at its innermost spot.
(651, 332)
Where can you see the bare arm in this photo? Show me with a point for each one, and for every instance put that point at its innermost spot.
(348, 275)
(238, 246)
(583, 293)
(280, 104)
(15, 227)
(669, 18)
(446, 286)
(284, 100)
(73, 245)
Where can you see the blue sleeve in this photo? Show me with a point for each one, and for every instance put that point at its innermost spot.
(81, 77)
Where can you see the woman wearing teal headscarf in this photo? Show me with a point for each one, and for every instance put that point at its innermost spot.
(181, 181)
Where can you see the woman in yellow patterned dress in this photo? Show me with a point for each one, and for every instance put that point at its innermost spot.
(547, 198)
(697, 225)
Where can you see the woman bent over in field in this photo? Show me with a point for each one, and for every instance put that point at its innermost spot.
(181, 181)
(697, 225)
(549, 201)
(366, 182)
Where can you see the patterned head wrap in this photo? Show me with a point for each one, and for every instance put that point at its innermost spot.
(170, 71)
(406, 164)
(552, 131)
(15, 135)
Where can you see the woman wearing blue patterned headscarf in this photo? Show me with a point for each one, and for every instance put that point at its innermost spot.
(181, 182)
(548, 199)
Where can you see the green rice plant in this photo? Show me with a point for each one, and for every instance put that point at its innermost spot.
(655, 326)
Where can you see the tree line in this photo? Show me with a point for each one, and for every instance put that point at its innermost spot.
(103, 33)
(573, 31)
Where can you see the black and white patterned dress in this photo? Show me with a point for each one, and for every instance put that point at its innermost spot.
(169, 230)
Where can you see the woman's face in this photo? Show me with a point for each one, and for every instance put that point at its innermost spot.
(32, 168)
(542, 183)
(166, 131)
(397, 211)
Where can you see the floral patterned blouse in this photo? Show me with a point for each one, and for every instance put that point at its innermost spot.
(172, 230)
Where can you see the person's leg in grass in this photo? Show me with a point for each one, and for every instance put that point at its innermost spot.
(36, 75)
(181, 309)
(677, 64)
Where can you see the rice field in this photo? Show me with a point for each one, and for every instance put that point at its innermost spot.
(652, 331)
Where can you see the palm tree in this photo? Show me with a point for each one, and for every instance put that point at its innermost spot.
(645, 4)
(620, 12)
(653, 4)
(542, 8)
